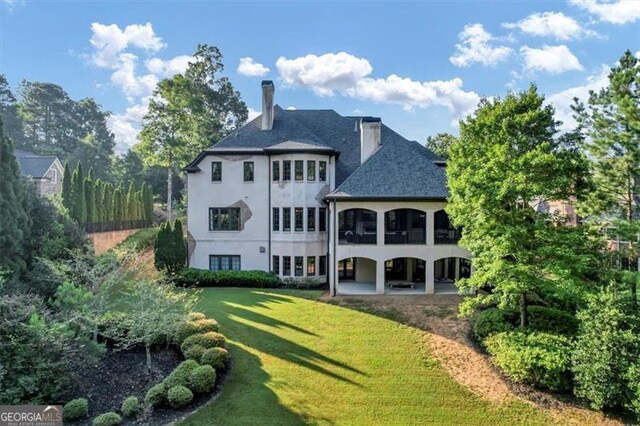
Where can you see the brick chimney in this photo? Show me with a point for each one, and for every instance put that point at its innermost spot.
(267, 104)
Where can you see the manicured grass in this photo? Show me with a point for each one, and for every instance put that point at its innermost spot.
(300, 361)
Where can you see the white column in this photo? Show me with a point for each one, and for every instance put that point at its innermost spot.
(380, 277)
(430, 229)
(410, 267)
(457, 263)
(429, 275)
(380, 227)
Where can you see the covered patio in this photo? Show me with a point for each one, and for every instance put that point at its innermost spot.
(356, 275)
(405, 275)
(447, 271)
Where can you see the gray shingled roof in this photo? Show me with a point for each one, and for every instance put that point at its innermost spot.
(399, 168)
(33, 165)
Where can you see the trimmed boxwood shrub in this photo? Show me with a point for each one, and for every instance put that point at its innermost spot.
(539, 359)
(206, 340)
(194, 352)
(191, 277)
(552, 320)
(156, 395)
(130, 406)
(75, 409)
(188, 328)
(180, 375)
(202, 379)
(215, 357)
(107, 419)
(180, 396)
(492, 321)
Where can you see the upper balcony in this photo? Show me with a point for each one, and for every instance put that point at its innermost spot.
(444, 232)
(405, 226)
(357, 226)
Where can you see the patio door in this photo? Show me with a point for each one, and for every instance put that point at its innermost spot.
(347, 269)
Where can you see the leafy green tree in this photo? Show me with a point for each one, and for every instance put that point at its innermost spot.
(9, 114)
(505, 161)
(15, 223)
(440, 144)
(97, 145)
(188, 113)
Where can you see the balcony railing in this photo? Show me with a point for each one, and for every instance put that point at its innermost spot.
(447, 236)
(350, 237)
(405, 237)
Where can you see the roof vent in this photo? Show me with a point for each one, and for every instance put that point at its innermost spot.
(267, 104)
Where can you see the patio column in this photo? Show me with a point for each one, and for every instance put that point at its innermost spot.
(430, 228)
(457, 275)
(380, 277)
(429, 276)
(380, 227)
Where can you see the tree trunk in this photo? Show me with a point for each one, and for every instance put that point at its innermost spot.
(148, 350)
(523, 309)
(169, 193)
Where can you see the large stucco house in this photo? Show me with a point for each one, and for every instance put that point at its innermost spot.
(311, 194)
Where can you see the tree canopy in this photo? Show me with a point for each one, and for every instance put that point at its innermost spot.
(440, 144)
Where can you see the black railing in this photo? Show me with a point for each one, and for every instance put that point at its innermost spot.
(350, 237)
(447, 236)
(405, 237)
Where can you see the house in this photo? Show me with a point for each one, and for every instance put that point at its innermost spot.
(313, 195)
(45, 171)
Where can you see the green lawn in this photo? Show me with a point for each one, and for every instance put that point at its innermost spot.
(300, 361)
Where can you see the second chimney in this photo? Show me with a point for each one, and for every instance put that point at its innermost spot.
(369, 136)
(267, 104)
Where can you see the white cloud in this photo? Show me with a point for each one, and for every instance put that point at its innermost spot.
(551, 59)
(618, 12)
(349, 75)
(169, 68)
(551, 24)
(324, 74)
(11, 5)
(127, 125)
(563, 100)
(109, 41)
(475, 46)
(249, 67)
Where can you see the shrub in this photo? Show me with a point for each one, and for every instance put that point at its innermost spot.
(180, 375)
(492, 321)
(187, 328)
(138, 241)
(156, 395)
(130, 406)
(606, 350)
(206, 340)
(180, 396)
(202, 379)
(215, 357)
(194, 352)
(107, 419)
(75, 409)
(190, 277)
(195, 316)
(551, 320)
(539, 359)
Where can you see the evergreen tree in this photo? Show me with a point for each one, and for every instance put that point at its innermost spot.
(107, 206)
(89, 193)
(179, 250)
(98, 208)
(162, 246)
(79, 211)
(66, 187)
(130, 205)
(15, 223)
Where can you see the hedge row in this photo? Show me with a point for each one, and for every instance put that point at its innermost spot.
(191, 277)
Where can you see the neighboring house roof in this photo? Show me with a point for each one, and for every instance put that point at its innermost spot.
(399, 168)
(34, 165)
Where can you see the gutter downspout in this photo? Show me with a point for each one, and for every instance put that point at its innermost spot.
(270, 219)
(332, 212)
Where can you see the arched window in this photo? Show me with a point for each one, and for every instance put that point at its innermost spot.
(357, 226)
(444, 232)
(405, 226)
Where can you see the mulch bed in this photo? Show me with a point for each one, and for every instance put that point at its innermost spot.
(123, 373)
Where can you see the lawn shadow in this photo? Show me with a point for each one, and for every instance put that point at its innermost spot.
(245, 393)
(264, 319)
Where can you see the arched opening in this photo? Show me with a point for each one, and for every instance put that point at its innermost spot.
(405, 226)
(405, 275)
(356, 275)
(357, 226)
(447, 271)
(443, 231)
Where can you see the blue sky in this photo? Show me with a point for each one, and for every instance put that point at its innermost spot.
(419, 66)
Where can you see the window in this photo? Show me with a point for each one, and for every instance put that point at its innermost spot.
(276, 265)
(299, 219)
(276, 219)
(322, 213)
(299, 266)
(311, 266)
(286, 266)
(311, 170)
(248, 171)
(216, 171)
(276, 171)
(322, 265)
(299, 169)
(54, 176)
(286, 219)
(286, 170)
(322, 171)
(224, 219)
(224, 262)
(311, 219)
